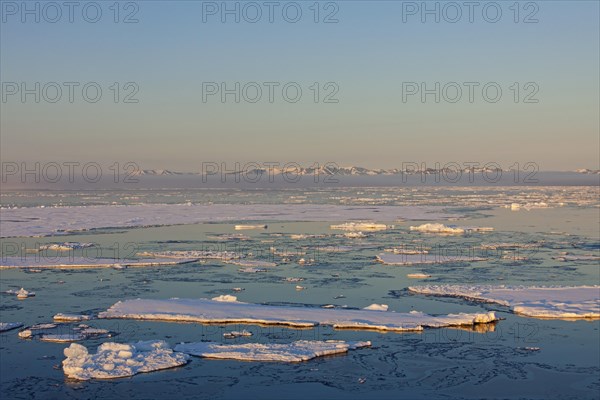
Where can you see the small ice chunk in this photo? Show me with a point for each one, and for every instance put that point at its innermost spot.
(225, 297)
(71, 317)
(236, 334)
(243, 227)
(377, 307)
(418, 275)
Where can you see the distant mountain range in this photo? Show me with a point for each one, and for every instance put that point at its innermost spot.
(332, 170)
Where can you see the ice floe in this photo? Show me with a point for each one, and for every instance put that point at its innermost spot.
(21, 293)
(209, 311)
(579, 257)
(377, 307)
(85, 262)
(251, 270)
(225, 298)
(60, 317)
(193, 254)
(410, 259)
(449, 229)
(355, 235)
(361, 226)
(531, 301)
(243, 227)
(63, 332)
(237, 334)
(252, 263)
(37, 221)
(116, 360)
(7, 326)
(418, 276)
(301, 350)
(66, 246)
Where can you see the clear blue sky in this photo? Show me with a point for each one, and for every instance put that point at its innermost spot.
(368, 53)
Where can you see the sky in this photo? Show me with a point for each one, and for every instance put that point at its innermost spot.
(361, 67)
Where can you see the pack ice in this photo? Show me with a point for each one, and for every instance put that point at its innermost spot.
(531, 301)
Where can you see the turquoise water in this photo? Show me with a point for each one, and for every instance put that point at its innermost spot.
(493, 361)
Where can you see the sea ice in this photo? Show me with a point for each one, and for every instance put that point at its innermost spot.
(225, 298)
(21, 293)
(236, 334)
(66, 246)
(410, 259)
(210, 311)
(377, 307)
(418, 276)
(243, 227)
(7, 326)
(85, 262)
(193, 254)
(63, 332)
(531, 301)
(115, 360)
(449, 230)
(301, 350)
(361, 226)
(252, 263)
(60, 317)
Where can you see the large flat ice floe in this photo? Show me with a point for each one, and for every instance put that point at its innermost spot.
(116, 360)
(301, 350)
(31, 261)
(38, 221)
(210, 311)
(532, 301)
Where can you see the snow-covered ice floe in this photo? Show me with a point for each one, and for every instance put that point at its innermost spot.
(63, 332)
(85, 262)
(116, 360)
(237, 334)
(577, 257)
(192, 254)
(532, 301)
(66, 246)
(7, 326)
(301, 350)
(252, 263)
(377, 307)
(210, 311)
(37, 221)
(243, 227)
(449, 229)
(361, 226)
(251, 270)
(410, 259)
(418, 275)
(60, 317)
